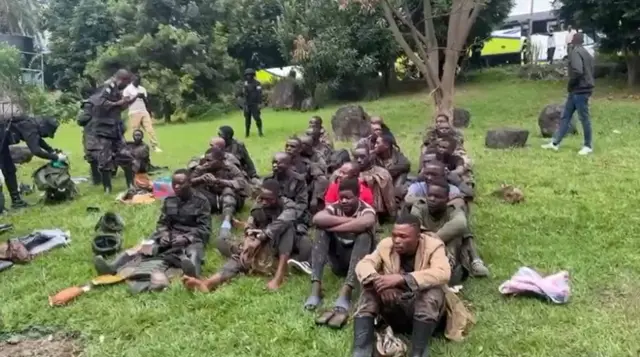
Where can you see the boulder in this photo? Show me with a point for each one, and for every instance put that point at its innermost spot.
(503, 138)
(461, 118)
(286, 94)
(351, 122)
(309, 104)
(549, 120)
(20, 154)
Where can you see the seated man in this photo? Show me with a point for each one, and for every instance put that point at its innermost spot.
(390, 157)
(316, 123)
(140, 152)
(348, 170)
(370, 141)
(458, 169)
(321, 148)
(182, 230)
(319, 179)
(217, 142)
(314, 171)
(450, 224)
(237, 149)
(433, 170)
(380, 182)
(292, 186)
(377, 120)
(345, 234)
(402, 282)
(269, 233)
(222, 183)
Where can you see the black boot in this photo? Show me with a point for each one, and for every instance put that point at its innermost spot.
(12, 186)
(106, 181)
(96, 178)
(191, 262)
(128, 176)
(363, 337)
(420, 337)
(103, 267)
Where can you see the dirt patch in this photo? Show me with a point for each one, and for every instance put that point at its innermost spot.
(47, 346)
(39, 342)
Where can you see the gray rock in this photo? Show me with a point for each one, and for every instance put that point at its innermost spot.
(549, 120)
(309, 104)
(286, 94)
(461, 118)
(504, 138)
(351, 122)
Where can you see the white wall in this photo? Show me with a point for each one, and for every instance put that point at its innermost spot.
(524, 6)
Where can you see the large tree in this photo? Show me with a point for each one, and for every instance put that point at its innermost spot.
(19, 17)
(341, 48)
(417, 26)
(618, 20)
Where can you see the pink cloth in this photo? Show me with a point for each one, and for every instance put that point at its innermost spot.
(553, 287)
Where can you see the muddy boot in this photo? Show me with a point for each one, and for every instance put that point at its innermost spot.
(420, 337)
(106, 181)
(128, 176)
(191, 262)
(12, 186)
(479, 269)
(363, 337)
(103, 267)
(96, 177)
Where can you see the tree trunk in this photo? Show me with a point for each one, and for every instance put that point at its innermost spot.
(633, 69)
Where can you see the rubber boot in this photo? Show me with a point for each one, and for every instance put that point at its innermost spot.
(420, 337)
(106, 181)
(191, 261)
(128, 176)
(16, 201)
(96, 178)
(103, 267)
(363, 336)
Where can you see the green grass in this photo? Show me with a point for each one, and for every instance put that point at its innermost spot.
(579, 215)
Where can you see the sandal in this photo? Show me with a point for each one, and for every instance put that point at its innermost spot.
(339, 318)
(324, 318)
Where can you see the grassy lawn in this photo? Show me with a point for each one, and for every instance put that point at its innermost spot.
(578, 216)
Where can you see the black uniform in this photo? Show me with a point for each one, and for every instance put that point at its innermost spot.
(104, 135)
(252, 94)
(31, 131)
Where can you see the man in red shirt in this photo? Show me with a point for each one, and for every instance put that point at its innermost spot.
(348, 170)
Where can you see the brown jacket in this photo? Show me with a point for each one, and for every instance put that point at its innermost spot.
(431, 264)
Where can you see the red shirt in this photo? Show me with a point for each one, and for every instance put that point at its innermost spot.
(333, 193)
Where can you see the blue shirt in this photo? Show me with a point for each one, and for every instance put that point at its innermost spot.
(419, 189)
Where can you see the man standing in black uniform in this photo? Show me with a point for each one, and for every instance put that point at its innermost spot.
(14, 128)
(105, 140)
(252, 95)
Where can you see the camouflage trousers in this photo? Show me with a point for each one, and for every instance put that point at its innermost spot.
(425, 306)
(226, 201)
(108, 153)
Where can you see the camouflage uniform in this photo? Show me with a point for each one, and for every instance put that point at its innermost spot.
(141, 156)
(294, 187)
(278, 224)
(228, 195)
(399, 167)
(238, 150)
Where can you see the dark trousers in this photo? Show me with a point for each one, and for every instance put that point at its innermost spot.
(550, 52)
(8, 168)
(424, 306)
(252, 110)
(575, 102)
(343, 258)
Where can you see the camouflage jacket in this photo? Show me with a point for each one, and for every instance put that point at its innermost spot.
(191, 217)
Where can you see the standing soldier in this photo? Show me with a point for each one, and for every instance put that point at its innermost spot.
(252, 95)
(106, 145)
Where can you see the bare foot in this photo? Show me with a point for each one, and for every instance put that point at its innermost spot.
(274, 284)
(194, 284)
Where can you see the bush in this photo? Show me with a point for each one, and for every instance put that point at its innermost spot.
(62, 106)
(554, 71)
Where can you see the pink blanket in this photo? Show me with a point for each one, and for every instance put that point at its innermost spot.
(553, 287)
